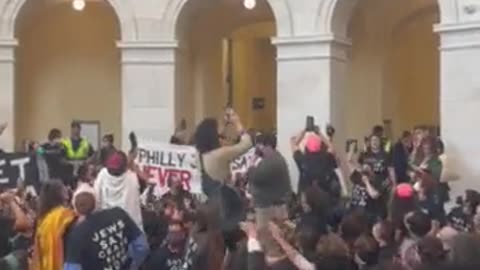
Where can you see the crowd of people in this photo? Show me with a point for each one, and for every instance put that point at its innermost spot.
(97, 210)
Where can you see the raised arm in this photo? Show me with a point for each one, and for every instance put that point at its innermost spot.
(293, 255)
(232, 152)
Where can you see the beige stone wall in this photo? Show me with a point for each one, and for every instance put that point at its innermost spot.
(393, 73)
(201, 70)
(68, 67)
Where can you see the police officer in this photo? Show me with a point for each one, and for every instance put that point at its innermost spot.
(77, 149)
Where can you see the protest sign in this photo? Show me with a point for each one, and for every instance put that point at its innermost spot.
(15, 166)
(241, 164)
(162, 162)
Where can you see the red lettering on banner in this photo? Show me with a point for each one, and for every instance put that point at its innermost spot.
(186, 177)
(162, 175)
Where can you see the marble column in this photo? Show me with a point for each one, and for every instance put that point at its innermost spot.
(460, 101)
(7, 92)
(310, 72)
(148, 102)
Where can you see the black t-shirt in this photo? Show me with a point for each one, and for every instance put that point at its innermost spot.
(53, 156)
(101, 241)
(315, 167)
(165, 259)
(362, 200)
(459, 220)
(379, 162)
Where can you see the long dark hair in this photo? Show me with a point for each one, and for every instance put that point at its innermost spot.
(51, 196)
(206, 136)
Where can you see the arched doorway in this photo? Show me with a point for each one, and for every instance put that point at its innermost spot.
(232, 62)
(393, 70)
(67, 68)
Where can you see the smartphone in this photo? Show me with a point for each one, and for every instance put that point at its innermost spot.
(310, 125)
(352, 144)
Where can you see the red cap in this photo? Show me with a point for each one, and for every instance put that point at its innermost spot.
(114, 161)
(313, 144)
(404, 191)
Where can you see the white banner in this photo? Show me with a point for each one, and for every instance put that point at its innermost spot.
(163, 162)
(243, 163)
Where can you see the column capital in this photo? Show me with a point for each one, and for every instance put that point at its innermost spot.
(148, 52)
(458, 36)
(315, 47)
(7, 50)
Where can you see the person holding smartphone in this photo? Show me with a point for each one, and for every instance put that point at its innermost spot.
(215, 161)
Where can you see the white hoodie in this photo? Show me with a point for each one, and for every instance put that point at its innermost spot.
(122, 191)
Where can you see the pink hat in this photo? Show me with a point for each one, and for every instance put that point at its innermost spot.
(404, 191)
(313, 144)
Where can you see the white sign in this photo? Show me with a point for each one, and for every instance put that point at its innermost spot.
(243, 163)
(162, 162)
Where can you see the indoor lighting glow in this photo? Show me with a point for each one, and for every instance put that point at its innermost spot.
(78, 4)
(249, 4)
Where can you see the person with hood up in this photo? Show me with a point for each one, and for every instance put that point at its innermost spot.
(117, 186)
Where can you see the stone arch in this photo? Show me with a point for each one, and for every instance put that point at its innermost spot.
(124, 12)
(333, 16)
(281, 10)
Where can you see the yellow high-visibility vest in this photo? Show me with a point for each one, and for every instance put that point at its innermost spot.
(80, 154)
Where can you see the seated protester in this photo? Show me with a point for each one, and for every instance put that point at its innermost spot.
(431, 252)
(333, 253)
(384, 234)
(169, 256)
(156, 226)
(106, 239)
(461, 217)
(353, 225)
(418, 225)
(369, 194)
(54, 223)
(294, 259)
(366, 252)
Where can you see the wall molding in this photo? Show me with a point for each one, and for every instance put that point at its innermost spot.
(7, 50)
(456, 27)
(316, 39)
(147, 45)
(309, 48)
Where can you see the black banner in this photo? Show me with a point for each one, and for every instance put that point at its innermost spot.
(15, 166)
